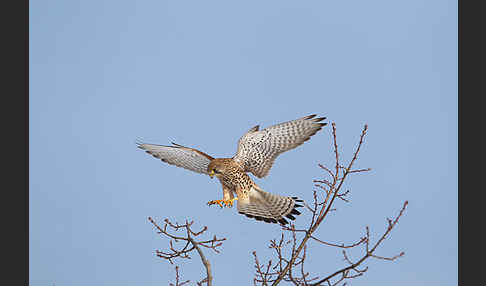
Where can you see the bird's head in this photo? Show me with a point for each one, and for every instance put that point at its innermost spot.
(217, 167)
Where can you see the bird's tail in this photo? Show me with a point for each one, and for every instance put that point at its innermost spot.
(268, 207)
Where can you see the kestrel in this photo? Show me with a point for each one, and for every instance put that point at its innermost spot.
(257, 149)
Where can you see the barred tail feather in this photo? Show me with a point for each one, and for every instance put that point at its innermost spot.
(268, 207)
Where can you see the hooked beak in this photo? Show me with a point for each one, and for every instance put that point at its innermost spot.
(211, 174)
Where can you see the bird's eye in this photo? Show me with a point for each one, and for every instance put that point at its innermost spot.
(216, 171)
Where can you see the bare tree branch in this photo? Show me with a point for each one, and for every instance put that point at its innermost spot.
(369, 252)
(324, 198)
(189, 245)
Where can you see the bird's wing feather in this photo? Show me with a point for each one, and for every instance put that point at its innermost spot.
(258, 149)
(178, 155)
(268, 207)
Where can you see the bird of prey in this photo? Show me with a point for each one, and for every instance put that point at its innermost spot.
(257, 150)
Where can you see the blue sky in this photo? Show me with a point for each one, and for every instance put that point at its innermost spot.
(200, 73)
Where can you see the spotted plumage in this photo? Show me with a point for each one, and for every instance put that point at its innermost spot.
(257, 150)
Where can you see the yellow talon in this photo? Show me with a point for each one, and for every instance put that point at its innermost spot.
(219, 202)
(223, 203)
(230, 202)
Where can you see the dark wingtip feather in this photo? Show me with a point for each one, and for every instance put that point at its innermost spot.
(283, 221)
(247, 215)
(296, 199)
(295, 212)
(140, 144)
(254, 128)
(289, 216)
(269, 220)
(265, 219)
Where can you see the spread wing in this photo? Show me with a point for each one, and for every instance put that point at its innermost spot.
(180, 156)
(258, 149)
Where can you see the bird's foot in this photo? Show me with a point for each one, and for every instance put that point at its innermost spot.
(223, 203)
